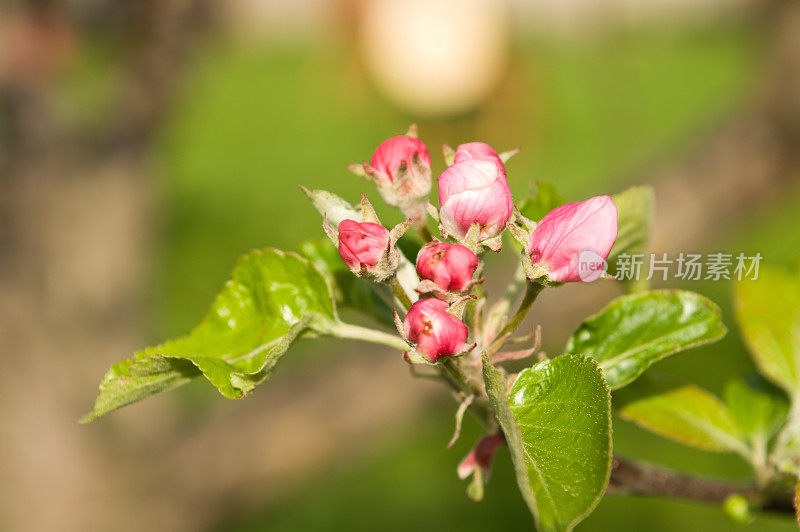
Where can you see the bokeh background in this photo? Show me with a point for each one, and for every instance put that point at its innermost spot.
(147, 143)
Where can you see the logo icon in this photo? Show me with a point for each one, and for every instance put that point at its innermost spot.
(591, 265)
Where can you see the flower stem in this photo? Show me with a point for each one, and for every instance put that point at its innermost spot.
(399, 292)
(454, 373)
(455, 376)
(531, 292)
(356, 332)
(424, 232)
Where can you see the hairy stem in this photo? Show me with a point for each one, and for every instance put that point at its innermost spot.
(356, 332)
(470, 317)
(637, 478)
(424, 232)
(454, 375)
(531, 292)
(457, 376)
(399, 292)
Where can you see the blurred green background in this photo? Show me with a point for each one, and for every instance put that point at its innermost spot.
(594, 108)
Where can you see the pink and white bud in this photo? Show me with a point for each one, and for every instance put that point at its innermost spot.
(435, 331)
(393, 152)
(450, 266)
(481, 456)
(475, 191)
(572, 242)
(362, 244)
(474, 150)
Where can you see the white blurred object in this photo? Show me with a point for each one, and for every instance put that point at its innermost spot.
(435, 57)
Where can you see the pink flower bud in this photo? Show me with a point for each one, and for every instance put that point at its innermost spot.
(475, 190)
(481, 456)
(436, 332)
(394, 151)
(450, 266)
(362, 244)
(572, 241)
(474, 150)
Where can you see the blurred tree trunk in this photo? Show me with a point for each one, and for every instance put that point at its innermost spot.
(75, 230)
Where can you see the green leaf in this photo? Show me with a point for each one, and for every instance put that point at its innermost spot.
(272, 298)
(687, 414)
(759, 411)
(349, 290)
(635, 207)
(637, 330)
(557, 422)
(768, 312)
(543, 201)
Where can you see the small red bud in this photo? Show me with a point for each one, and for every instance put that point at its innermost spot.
(362, 243)
(450, 266)
(393, 152)
(436, 332)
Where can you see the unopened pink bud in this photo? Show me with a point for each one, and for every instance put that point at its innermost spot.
(398, 150)
(362, 244)
(572, 241)
(474, 150)
(450, 266)
(436, 332)
(475, 191)
(481, 456)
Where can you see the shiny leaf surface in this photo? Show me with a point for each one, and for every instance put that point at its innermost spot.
(637, 330)
(557, 422)
(272, 298)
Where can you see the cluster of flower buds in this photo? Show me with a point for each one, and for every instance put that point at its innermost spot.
(401, 169)
(571, 243)
(366, 247)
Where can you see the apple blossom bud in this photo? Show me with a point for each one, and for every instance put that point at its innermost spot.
(401, 169)
(572, 241)
(436, 332)
(450, 266)
(362, 244)
(475, 191)
(393, 152)
(474, 150)
(481, 456)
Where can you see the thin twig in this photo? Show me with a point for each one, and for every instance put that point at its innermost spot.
(531, 292)
(399, 292)
(637, 478)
